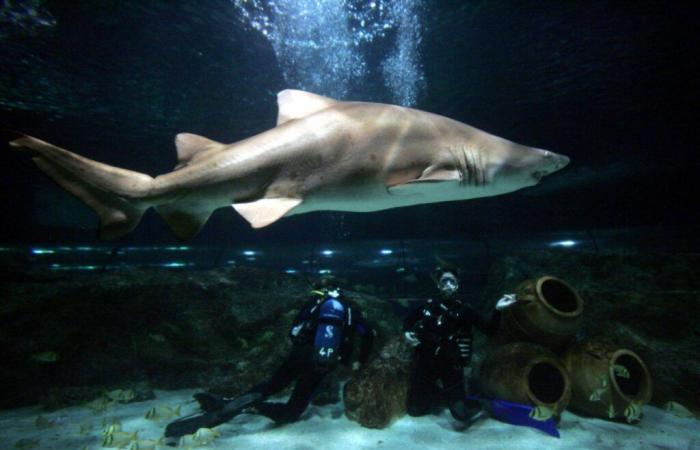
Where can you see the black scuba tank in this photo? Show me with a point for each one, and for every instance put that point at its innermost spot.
(329, 332)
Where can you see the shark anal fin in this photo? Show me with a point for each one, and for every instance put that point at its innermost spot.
(294, 104)
(262, 213)
(190, 145)
(185, 220)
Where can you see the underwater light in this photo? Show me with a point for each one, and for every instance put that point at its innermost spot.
(84, 249)
(327, 252)
(248, 252)
(180, 247)
(61, 267)
(251, 258)
(324, 271)
(401, 269)
(290, 271)
(386, 251)
(567, 243)
(174, 264)
(42, 251)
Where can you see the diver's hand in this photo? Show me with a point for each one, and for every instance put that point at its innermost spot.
(506, 301)
(412, 339)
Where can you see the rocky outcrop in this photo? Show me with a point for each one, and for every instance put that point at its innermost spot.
(376, 396)
(223, 330)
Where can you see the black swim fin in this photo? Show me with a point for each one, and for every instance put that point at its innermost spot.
(208, 419)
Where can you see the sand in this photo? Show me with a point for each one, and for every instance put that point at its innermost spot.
(327, 428)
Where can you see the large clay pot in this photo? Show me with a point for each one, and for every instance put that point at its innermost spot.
(526, 373)
(599, 386)
(551, 317)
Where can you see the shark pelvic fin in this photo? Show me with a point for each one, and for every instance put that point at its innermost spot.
(294, 104)
(262, 213)
(189, 146)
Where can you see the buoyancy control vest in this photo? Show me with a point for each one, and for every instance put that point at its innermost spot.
(329, 332)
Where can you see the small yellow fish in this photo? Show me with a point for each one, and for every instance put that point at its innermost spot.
(121, 395)
(107, 421)
(161, 412)
(204, 436)
(100, 404)
(633, 411)
(45, 357)
(187, 440)
(597, 394)
(119, 439)
(42, 422)
(621, 371)
(541, 413)
(27, 444)
(145, 444)
(157, 337)
(112, 428)
(678, 410)
(85, 428)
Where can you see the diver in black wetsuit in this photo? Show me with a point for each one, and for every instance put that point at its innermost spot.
(322, 335)
(441, 332)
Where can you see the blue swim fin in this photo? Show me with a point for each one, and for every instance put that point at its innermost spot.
(519, 414)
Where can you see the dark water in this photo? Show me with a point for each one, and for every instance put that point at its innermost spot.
(610, 84)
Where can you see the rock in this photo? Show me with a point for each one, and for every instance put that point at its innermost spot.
(223, 330)
(376, 396)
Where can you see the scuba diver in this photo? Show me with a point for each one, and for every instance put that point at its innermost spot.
(322, 335)
(441, 332)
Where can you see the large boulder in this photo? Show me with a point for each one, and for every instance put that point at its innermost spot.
(376, 396)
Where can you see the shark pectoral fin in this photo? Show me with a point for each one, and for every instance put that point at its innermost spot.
(438, 174)
(429, 176)
(262, 213)
(190, 145)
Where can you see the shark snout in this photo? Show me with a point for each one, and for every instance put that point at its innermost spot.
(552, 162)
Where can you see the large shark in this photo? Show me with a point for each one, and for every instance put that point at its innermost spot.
(323, 154)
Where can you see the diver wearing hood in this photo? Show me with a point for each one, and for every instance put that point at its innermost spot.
(323, 335)
(441, 332)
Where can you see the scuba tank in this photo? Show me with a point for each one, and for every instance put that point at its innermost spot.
(329, 332)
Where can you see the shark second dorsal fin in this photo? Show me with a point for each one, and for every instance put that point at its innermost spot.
(263, 212)
(190, 145)
(294, 104)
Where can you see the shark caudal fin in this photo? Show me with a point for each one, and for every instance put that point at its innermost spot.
(111, 192)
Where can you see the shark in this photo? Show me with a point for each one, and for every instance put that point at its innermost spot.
(322, 155)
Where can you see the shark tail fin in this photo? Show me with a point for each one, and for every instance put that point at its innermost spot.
(113, 193)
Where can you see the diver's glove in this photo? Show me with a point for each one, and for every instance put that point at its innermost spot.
(412, 339)
(506, 301)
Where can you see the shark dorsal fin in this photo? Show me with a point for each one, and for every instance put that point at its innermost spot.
(294, 104)
(190, 145)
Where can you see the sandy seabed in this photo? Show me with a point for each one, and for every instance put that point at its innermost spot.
(327, 428)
